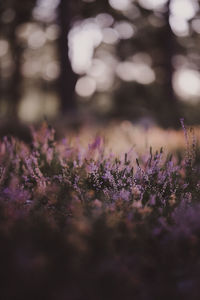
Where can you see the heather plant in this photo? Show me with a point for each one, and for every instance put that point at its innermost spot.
(81, 223)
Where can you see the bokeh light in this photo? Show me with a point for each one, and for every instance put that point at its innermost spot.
(184, 9)
(52, 32)
(179, 26)
(104, 20)
(3, 47)
(83, 38)
(102, 73)
(125, 71)
(187, 84)
(137, 69)
(45, 10)
(35, 105)
(51, 71)
(124, 29)
(120, 4)
(37, 39)
(108, 46)
(85, 86)
(110, 36)
(153, 4)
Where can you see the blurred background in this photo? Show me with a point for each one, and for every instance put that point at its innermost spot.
(100, 60)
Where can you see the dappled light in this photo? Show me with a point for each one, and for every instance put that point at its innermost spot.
(153, 4)
(179, 26)
(45, 10)
(36, 106)
(85, 86)
(51, 71)
(52, 32)
(125, 30)
(184, 9)
(104, 20)
(106, 49)
(138, 71)
(102, 73)
(36, 39)
(181, 12)
(110, 36)
(89, 36)
(187, 84)
(120, 4)
(4, 46)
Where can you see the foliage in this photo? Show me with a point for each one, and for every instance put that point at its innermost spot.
(79, 224)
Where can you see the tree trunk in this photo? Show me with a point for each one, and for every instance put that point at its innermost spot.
(22, 14)
(15, 89)
(68, 78)
(169, 48)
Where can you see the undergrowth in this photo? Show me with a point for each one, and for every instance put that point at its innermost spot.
(76, 223)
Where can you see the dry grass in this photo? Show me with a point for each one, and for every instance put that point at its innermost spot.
(122, 137)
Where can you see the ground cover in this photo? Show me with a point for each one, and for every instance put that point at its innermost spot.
(80, 222)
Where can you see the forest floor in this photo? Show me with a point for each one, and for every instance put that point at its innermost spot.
(101, 214)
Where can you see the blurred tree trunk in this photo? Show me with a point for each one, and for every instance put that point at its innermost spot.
(15, 88)
(169, 50)
(68, 78)
(22, 13)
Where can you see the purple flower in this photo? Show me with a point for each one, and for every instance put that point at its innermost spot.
(96, 144)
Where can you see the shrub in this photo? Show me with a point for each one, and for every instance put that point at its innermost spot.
(76, 223)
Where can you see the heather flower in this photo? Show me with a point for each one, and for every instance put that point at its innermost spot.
(96, 144)
(78, 207)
